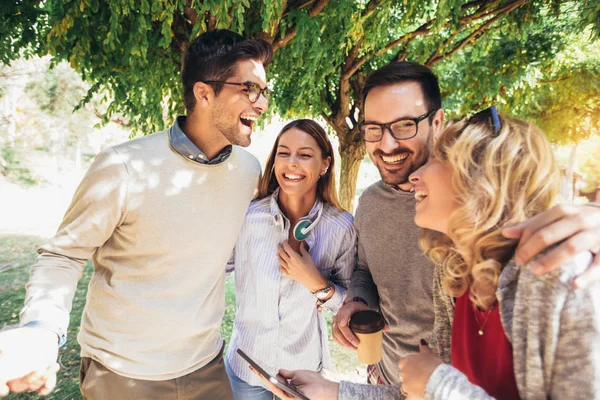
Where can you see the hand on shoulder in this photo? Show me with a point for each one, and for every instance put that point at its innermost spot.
(571, 229)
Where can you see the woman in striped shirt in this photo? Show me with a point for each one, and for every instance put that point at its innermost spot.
(294, 255)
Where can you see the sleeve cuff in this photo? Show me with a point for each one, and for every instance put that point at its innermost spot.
(62, 336)
(335, 302)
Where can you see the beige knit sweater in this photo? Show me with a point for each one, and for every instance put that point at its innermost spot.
(160, 229)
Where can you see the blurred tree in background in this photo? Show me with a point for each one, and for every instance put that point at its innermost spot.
(484, 52)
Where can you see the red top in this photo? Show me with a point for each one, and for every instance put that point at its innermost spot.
(485, 359)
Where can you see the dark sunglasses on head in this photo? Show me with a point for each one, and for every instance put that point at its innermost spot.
(488, 116)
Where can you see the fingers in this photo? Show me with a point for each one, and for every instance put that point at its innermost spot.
(340, 339)
(526, 229)
(574, 245)
(272, 388)
(30, 382)
(591, 275)
(283, 250)
(304, 249)
(342, 333)
(555, 225)
(50, 380)
(286, 374)
(48, 386)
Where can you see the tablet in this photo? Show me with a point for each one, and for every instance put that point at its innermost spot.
(286, 387)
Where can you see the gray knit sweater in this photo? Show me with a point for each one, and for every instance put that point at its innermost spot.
(554, 330)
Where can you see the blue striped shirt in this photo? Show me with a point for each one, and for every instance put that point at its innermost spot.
(276, 322)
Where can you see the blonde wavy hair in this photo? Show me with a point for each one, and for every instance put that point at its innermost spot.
(499, 180)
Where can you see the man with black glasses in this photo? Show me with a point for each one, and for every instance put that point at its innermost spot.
(159, 216)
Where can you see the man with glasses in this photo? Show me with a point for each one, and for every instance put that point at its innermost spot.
(159, 216)
(402, 115)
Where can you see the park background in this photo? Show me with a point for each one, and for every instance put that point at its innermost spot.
(78, 76)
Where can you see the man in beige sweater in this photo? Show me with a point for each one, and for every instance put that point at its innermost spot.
(159, 216)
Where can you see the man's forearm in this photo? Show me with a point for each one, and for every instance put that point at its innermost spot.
(362, 286)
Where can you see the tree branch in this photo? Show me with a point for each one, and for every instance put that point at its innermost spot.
(370, 8)
(317, 7)
(481, 30)
(481, 12)
(210, 20)
(190, 13)
(117, 120)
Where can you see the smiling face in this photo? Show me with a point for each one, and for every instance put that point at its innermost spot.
(299, 163)
(233, 113)
(436, 199)
(397, 159)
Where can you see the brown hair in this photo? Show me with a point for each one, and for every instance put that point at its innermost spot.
(213, 56)
(326, 185)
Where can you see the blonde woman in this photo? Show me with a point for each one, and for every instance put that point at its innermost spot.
(295, 253)
(503, 331)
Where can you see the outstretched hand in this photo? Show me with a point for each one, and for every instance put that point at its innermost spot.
(28, 360)
(575, 228)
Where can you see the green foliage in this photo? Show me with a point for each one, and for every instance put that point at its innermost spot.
(23, 28)
(484, 52)
(133, 49)
(11, 168)
(563, 100)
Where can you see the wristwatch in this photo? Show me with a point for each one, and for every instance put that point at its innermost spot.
(322, 294)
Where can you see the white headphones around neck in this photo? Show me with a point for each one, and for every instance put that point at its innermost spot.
(304, 226)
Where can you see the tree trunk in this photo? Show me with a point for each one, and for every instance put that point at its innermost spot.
(352, 152)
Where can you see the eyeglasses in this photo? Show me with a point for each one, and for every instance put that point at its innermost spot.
(252, 89)
(486, 116)
(401, 129)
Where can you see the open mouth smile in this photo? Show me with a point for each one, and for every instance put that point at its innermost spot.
(248, 120)
(420, 194)
(293, 177)
(395, 159)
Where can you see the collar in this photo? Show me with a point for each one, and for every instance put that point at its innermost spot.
(184, 146)
(394, 189)
(279, 217)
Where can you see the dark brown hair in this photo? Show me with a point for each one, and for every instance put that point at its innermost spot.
(213, 56)
(399, 72)
(326, 184)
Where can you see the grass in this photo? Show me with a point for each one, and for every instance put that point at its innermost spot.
(18, 253)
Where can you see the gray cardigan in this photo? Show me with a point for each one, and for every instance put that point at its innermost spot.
(554, 330)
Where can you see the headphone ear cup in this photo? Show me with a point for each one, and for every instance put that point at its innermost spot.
(302, 229)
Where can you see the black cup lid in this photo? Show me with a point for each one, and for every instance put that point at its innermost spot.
(367, 321)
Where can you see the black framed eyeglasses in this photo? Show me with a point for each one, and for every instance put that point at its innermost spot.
(253, 90)
(488, 116)
(400, 129)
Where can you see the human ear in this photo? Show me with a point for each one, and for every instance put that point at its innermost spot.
(438, 123)
(203, 93)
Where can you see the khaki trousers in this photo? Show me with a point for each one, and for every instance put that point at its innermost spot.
(209, 382)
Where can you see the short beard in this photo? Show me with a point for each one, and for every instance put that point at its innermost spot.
(231, 132)
(418, 163)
